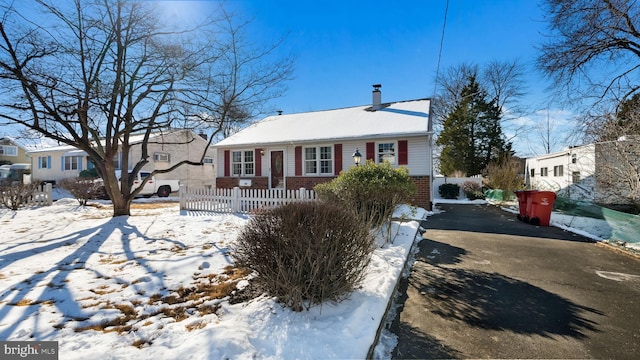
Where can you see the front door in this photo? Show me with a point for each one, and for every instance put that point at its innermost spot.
(277, 169)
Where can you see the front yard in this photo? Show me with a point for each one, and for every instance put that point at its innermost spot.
(162, 284)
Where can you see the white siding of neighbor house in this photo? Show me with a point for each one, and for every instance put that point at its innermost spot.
(584, 164)
(187, 174)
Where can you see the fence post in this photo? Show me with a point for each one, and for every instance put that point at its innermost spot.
(235, 200)
(49, 193)
(302, 194)
(181, 195)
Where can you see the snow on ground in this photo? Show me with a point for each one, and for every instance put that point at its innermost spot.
(161, 284)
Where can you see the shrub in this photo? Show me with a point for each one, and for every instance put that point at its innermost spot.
(81, 189)
(305, 253)
(472, 190)
(449, 191)
(14, 195)
(504, 174)
(89, 173)
(372, 191)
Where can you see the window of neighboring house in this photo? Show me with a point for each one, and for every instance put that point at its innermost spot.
(8, 150)
(574, 158)
(242, 162)
(533, 172)
(207, 160)
(161, 157)
(387, 152)
(72, 162)
(117, 161)
(575, 177)
(558, 170)
(318, 160)
(543, 171)
(44, 162)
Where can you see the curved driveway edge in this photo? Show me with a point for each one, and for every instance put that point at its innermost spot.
(485, 285)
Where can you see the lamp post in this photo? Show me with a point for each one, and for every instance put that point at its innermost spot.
(357, 157)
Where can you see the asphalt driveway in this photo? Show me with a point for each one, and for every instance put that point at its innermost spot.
(485, 285)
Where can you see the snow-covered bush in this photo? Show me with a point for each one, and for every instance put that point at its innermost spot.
(305, 253)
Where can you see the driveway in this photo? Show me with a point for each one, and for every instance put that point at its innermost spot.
(485, 285)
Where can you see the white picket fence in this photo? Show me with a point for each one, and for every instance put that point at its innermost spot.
(237, 200)
(42, 196)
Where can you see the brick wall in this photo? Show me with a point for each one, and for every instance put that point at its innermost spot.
(259, 182)
(307, 182)
(422, 198)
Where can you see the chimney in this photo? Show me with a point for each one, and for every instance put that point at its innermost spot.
(377, 97)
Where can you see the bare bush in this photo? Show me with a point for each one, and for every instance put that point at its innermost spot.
(15, 195)
(472, 190)
(306, 253)
(505, 174)
(82, 189)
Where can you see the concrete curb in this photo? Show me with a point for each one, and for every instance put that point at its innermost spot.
(393, 297)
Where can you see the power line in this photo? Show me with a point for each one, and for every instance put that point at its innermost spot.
(444, 25)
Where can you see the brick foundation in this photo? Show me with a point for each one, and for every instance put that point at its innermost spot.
(422, 198)
(259, 182)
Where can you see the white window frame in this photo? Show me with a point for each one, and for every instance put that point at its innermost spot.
(318, 161)
(558, 170)
(161, 157)
(245, 165)
(4, 150)
(382, 154)
(70, 164)
(44, 162)
(544, 171)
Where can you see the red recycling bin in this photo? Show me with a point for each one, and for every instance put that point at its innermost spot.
(524, 204)
(541, 205)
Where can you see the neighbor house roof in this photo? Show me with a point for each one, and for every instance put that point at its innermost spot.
(72, 150)
(404, 118)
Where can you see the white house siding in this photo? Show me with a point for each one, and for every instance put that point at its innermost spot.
(190, 175)
(579, 160)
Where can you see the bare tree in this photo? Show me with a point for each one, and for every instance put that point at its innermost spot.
(99, 71)
(501, 80)
(593, 50)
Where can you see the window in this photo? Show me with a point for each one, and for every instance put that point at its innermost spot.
(575, 177)
(387, 152)
(44, 162)
(71, 162)
(318, 160)
(161, 157)
(208, 160)
(533, 172)
(8, 150)
(543, 171)
(574, 158)
(242, 162)
(558, 170)
(117, 161)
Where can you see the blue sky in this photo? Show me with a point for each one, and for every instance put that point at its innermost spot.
(343, 47)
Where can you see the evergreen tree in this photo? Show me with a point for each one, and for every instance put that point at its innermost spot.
(472, 136)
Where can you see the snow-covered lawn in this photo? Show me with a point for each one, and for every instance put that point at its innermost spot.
(161, 284)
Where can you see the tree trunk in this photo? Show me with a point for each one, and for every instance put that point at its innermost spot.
(121, 206)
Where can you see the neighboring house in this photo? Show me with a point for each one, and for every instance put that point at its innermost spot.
(594, 172)
(12, 151)
(165, 150)
(305, 149)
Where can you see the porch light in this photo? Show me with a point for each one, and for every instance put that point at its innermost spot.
(357, 157)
